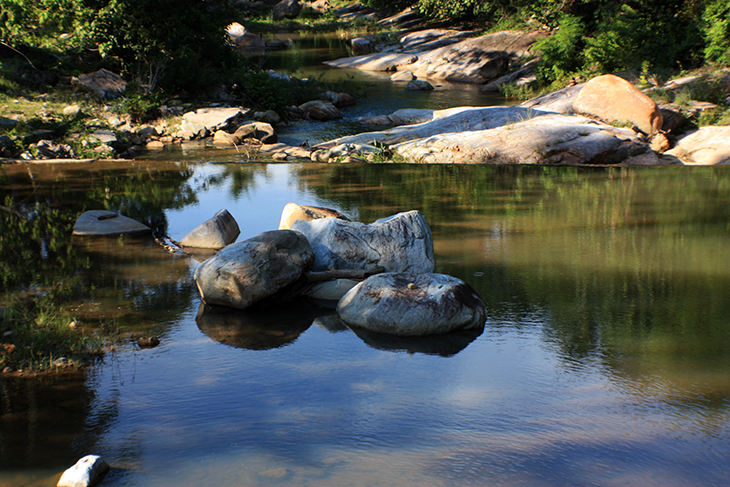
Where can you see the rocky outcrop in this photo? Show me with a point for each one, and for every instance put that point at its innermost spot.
(506, 135)
(242, 38)
(708, 146)
(400, 243)
(293, 212)
(244, 273)
(87, 472)
(614, 99)
(473, 60)
(412, 304)
(216, 233)
(107, 223)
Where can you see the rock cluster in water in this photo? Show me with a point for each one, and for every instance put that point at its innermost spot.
(384, 270)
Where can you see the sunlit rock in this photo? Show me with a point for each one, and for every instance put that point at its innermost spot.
(216, 233)
(400, 243)
(707, 146)
(412, 304)
(207, 120)
(244, 273)
(293, 212)
(106, 223)
(87, 472)
(614, 99)
(260, 131)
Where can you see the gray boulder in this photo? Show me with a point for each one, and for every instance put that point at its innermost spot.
(320, 110)
(411, 304)
(216, 233)
(287, 9)
(88, 471)
(246, 272)
(401, 243)
(261, 131)
(107, 223)
(419, 85)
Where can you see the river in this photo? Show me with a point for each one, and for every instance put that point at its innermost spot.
(605, 358)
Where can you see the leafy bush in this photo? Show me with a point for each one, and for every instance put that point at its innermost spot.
(561, 52)
(717, 31)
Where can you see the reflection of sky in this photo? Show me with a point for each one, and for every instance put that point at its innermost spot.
(256, 210)
(329, 410)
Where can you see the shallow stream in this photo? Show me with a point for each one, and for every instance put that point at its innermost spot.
(605, 358)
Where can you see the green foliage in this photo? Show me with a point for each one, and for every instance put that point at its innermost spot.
(561, 52)
(717, 31)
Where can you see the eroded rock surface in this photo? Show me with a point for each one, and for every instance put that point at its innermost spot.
(400, 243)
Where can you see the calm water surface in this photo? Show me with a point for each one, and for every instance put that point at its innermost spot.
(605, 358)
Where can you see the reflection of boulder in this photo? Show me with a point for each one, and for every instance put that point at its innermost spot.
(257, 328)
(446, 344)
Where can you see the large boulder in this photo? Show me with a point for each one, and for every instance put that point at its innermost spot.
(260, 131)
(107, 223)
(216, 233)
(707, 146)
(287, 9)
(244, 273)
(412, 304)
(400, 243)
(614, 99)
(293, 212)
(320, 110)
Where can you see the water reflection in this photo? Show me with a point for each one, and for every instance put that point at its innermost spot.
(258, 328)
(604, 359)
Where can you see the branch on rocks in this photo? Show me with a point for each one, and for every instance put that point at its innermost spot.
(355, 274)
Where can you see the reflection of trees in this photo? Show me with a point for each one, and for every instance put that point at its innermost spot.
(630, 266)
(241, 177)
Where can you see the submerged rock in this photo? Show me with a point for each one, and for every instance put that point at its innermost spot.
(107, 223)
(400, 243)
(412, 304)
(244, 273)
(87, 472)
(216, 233)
